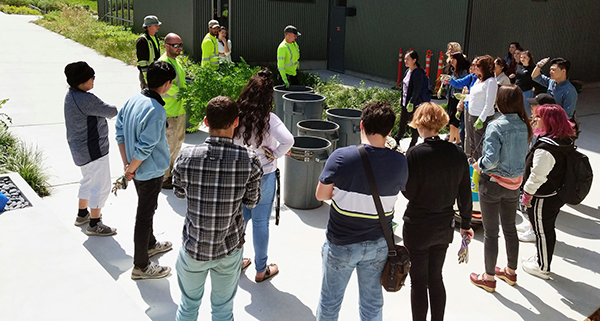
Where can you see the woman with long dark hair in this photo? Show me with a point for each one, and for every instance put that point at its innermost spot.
(481, 98)
(545, 171)
(523, 77)
(502, 166)
(224, 44)
(460, 68)
(414, 92)
(264, 133)
(438, 168)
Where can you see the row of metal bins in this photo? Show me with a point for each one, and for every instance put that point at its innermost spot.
(315, 139)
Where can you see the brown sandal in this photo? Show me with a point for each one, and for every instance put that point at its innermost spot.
(246, 262)
(268, 273)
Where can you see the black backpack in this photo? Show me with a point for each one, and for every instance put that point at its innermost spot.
(578, 177)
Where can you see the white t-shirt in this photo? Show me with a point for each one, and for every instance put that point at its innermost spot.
(222, 50)
(482, 98)
(279, 140)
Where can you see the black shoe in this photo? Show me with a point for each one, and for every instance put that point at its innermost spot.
(168, 184)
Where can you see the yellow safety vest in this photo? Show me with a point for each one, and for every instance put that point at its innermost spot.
(210, 51)
(173, 105)
(288, 55)
(144, 64)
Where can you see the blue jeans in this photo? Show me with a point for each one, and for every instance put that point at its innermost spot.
(260, 216)
(527, 94)
(339, 261)
(224, 278)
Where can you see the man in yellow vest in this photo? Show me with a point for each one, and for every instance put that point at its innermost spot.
(288, 54)
(176, 120)
(147, 47)
(210, 48)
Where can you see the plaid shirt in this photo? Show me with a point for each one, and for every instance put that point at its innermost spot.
(217, 177)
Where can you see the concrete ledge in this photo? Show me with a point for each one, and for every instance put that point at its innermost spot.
(47, 275)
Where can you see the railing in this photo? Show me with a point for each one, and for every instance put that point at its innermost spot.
(116, 12)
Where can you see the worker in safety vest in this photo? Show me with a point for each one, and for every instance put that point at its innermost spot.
(147, 47)
(210, 47)
(288, 54)
(176, 119)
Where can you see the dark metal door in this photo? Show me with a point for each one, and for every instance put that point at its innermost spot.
(337, 39)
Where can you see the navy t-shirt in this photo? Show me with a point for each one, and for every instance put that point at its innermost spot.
(353, 217)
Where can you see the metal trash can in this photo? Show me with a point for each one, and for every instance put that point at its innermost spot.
(303, 165)
(320, 128)
(279, 91)
(349, 121)
(301, 106)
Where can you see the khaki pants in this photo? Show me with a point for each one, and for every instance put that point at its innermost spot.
(175, 133)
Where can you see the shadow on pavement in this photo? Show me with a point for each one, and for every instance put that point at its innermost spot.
(587, 228)
(316, 217)
(269, 303)
(587, 210)
(578, 256)
(157, 294)
(195, 138)
(179, 206)
(546, 312)
(109, 253)
(572, 292)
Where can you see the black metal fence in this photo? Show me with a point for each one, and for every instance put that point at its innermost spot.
(116, 12)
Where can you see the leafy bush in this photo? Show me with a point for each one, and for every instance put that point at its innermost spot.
(79, 24)
(16, 156)
(208, 83)
(4, 117)
(18, 10)
(52, 5)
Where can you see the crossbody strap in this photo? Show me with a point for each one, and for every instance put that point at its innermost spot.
(387, 231)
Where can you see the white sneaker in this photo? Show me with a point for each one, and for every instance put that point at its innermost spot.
(533, 268)
(527, 236)
(523, 227)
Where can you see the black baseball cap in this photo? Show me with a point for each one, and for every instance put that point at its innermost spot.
(292, 29)
(541, 99)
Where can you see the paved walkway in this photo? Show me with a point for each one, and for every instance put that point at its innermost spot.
(51, 271)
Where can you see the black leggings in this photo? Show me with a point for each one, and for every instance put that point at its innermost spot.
(405, 116)
(451, 108)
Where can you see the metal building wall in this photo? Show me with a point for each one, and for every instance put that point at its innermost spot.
(257, 28)
(549, 29)
(381, 27)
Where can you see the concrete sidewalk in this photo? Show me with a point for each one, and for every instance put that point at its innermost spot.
(31, 75)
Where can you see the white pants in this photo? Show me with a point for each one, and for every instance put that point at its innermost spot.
(95, 184)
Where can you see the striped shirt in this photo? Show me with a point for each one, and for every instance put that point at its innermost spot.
(353, 217)
(216, 177)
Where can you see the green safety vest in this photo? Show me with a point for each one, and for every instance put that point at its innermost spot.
(144, 64)
(173, 105)
(288, 55)
(210, 51)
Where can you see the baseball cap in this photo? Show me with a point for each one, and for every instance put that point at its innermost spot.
(541, 99)
(213, 23)
(151, 21)
(291, 29)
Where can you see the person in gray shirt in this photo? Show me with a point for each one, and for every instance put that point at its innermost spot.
(87, 135)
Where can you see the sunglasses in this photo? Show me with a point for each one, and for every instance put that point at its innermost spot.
(175, 45)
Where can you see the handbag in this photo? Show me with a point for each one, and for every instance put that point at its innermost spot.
(397, 266)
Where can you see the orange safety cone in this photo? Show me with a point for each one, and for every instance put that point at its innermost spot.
(438, 83)
(399, 69)
(427, 62)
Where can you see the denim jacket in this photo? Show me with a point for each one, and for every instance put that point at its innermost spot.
(505, 147)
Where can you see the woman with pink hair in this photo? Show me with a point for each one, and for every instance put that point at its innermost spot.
(544, 174)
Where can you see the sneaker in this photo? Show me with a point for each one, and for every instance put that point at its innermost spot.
(152, 271)
(533, 268)
(100, 230)
(477, 280)
(524, 227)
(511, 279)
(82, 220)
(527, 236)
(168, 183)
(160, 247)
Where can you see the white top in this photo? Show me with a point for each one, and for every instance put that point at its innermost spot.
(482, 98)
(502, 79)
(222, 50)
(278, 140)
(405, 83)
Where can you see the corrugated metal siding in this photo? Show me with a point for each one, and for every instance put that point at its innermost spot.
(202, 15)
(257, 28)
(565, 29)
(381, 27)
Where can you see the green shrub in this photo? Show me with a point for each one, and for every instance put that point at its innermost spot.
(18, 10)
(4, 118)
(52, 5)
(79, 24)
(16, 156)
(208, 83)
